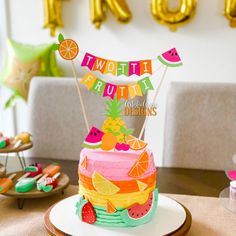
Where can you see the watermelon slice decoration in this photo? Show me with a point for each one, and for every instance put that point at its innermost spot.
(85, 211)
(231, 174)
(170, 58)
(141, 214)
(93, 139)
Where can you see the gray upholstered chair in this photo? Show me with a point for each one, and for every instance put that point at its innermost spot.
(200, 125)
(56, 122)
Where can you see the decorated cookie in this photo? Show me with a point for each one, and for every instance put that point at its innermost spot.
(47, 184)
(103, 185)
(93, 139)
(33, 170)
(84, 163)
(140, 166)
(170, 58)
(85, 211)
(135, 143)
(122, 147)
(141, 214)
(68, 48)
(25, 185)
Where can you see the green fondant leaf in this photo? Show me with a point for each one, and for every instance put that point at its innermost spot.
(112, 132)
(125, 131)
(39, 187)
(60, 38)
(11, 101)
(55, 47)
(47, 188)
(31, 168)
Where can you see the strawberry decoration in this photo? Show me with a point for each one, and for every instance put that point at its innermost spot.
(88, 213)
(85, 211)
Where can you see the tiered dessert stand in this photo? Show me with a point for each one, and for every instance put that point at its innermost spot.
(12, 149)
(63, 182)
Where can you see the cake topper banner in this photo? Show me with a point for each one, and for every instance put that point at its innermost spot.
(120, 91)
(127, 68)
(169, 58)
(69, 49)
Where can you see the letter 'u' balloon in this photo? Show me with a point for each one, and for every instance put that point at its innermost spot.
(173, 18)
(119, 9)
(52, 15)
(230, 12)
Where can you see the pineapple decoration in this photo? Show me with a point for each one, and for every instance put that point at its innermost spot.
(114, 124)
(114, 134)
(114, 127)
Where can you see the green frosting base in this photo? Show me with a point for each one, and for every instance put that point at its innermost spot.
(118, 219)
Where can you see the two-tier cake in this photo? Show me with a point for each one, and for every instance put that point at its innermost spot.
(117, 176)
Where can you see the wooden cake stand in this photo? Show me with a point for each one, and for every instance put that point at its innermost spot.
(182, 229)
(63, 182)
(17, 150)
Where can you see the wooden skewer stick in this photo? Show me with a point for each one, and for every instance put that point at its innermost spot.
(56, 175)
(12, 176)
(23, 176)
(43, 177)
(154, 100)
(37, 177)
(80, 96)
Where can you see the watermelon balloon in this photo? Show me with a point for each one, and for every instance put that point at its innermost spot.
(231, 174)
(170, 58)
(85, 211)
(93, 139)
(141, 214)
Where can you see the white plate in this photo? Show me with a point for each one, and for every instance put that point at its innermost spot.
(169, 216)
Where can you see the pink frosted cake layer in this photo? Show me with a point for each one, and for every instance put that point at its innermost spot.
(113, 165)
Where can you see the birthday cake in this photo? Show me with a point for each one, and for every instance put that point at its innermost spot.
(117, 175)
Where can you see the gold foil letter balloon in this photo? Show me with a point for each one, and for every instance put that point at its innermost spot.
(230, 11)
(119, 9)
(52, 15)
(173, 18)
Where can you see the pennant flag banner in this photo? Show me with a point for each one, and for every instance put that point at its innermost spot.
(128, 68)
(104, 89)
(105, 66)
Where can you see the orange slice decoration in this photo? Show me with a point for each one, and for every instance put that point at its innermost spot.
(110, 208)
(84, 163)
(68, 49)
(140, 166)
(135, 143)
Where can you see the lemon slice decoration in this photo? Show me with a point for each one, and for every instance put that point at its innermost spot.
(142, 186)
(103, 185)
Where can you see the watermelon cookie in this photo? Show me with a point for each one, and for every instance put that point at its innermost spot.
(170, 58)
(141, 214)
(93, 139)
